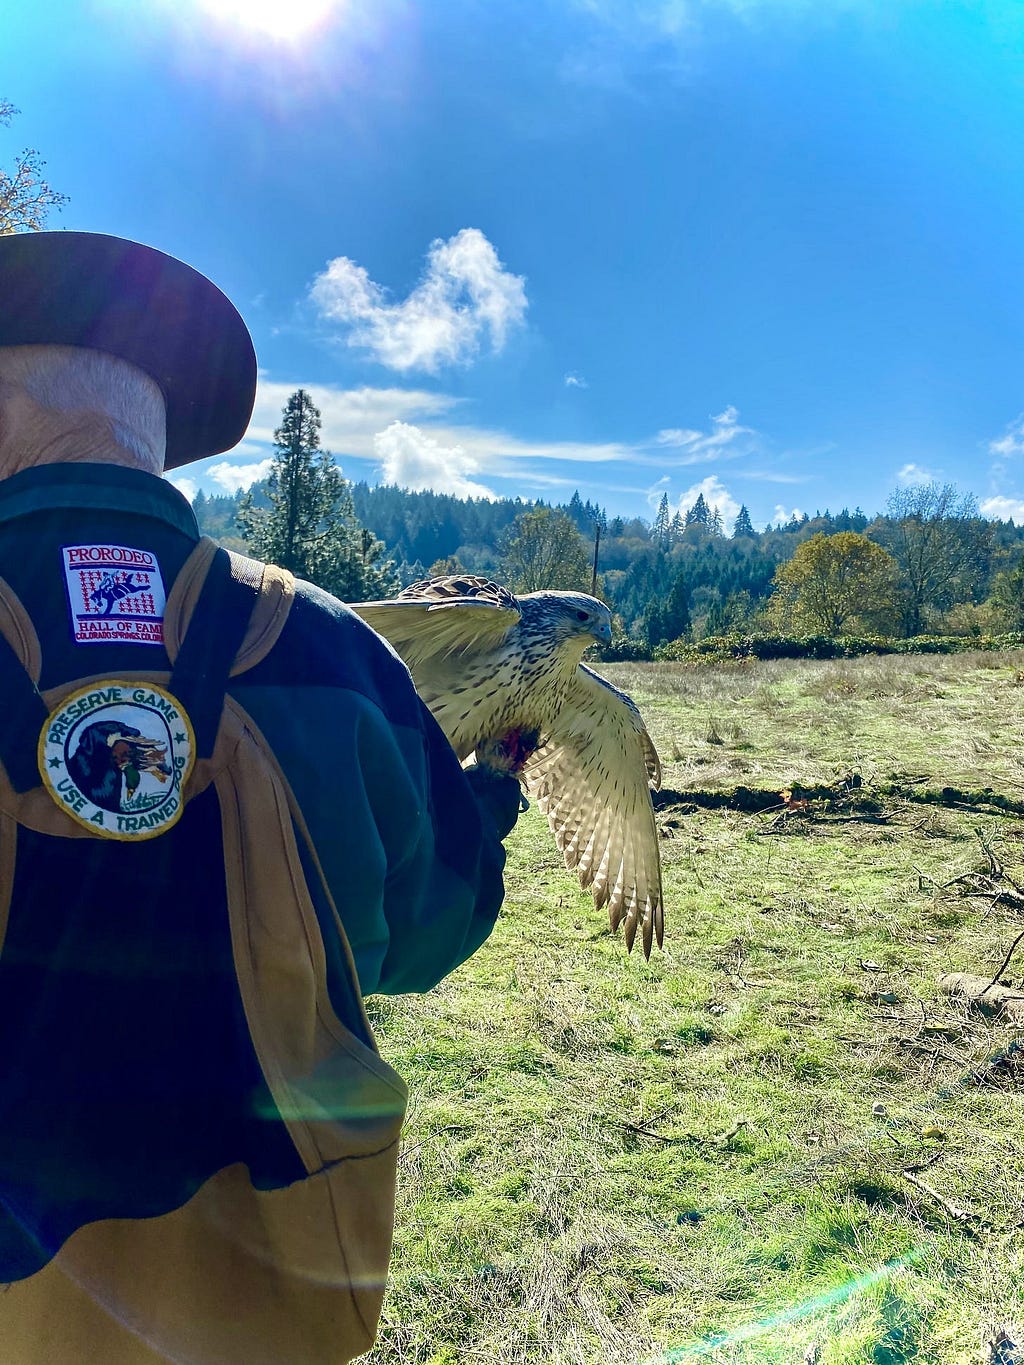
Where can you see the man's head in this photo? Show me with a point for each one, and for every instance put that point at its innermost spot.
(65, 404)
(110, 350)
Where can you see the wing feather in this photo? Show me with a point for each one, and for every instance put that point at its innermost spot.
(590, 778)
(428, 629)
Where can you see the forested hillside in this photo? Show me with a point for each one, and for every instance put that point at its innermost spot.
(937, 566)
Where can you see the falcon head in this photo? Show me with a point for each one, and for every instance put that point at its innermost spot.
(565, 617)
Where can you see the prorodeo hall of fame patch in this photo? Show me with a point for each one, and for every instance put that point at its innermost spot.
(116, 755)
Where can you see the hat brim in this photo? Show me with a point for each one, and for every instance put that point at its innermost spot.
(137, 303)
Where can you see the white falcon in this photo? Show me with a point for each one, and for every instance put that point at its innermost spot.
(503, 677)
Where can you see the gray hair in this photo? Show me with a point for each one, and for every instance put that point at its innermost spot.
(72, 387)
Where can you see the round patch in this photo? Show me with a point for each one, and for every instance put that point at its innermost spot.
(115, 756)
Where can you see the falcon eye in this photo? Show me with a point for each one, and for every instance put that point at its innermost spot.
(582, 616)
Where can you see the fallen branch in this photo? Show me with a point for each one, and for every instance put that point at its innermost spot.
(984, 994)
(1006, 960)
(968, 1220)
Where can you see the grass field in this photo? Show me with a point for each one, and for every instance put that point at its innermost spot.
(777, 1141)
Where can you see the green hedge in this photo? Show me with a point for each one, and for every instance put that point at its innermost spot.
(717, 648)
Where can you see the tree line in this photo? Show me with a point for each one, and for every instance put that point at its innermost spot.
(929, 563)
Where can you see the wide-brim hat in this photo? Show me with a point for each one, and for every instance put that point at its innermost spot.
(109, 294)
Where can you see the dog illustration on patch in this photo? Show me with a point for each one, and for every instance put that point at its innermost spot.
(108, 764)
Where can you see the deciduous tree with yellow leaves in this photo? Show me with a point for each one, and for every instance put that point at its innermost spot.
(834, 585)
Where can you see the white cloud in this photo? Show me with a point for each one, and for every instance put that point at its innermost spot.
(1003, 509)
(657, 490)
(914, 473)
(698, 446)
(1012, 440)
(235, 477)
(575, 381)
(716, 495)
(780, 516)
(677, 436)
(350, 417)
(772, 476)
(465, 294)
(187, 487)
(415, 436)
(412, 459)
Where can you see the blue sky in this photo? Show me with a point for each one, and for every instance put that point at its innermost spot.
(770, 250)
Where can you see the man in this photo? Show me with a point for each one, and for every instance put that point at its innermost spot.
(224, 815)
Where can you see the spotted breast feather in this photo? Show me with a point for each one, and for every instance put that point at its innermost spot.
(503, 675)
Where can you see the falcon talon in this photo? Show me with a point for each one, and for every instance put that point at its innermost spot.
(504, 678)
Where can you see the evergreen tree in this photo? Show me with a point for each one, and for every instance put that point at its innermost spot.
(675, 529)
(668, 618)
(715, 525)
(579, 513)
(744, 526)
(660, 529)
(699, 514)
(310, 526)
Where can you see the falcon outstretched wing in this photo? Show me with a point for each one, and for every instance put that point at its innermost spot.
(590, 778)
(439, 617)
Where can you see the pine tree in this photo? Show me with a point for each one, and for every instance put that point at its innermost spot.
(660, 529)
(699, 514)
(744, 526)
(579, 513)
(675, 529)
(715, 525)
(668, 617)
(310, 526)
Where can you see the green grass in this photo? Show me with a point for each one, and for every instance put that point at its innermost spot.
(614, 1161)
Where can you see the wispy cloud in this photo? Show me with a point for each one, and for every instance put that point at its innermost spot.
(411, 458)
(773, 476)
(1011, 442)
(1003, 509)
(414, 437)
(724, 438)
(631, 48)
(466, 295)
(575, 381)
(353, 418)
(655, 491)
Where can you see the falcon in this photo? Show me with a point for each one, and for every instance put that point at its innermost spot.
(503, 676)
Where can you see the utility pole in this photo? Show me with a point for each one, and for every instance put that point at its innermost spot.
(597, 546)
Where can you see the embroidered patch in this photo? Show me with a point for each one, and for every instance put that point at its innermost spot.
(114, 593)
(115, 756)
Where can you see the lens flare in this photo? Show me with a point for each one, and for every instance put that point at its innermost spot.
(278, 19)
(819, 1303)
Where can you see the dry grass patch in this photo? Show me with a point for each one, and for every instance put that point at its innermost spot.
(776, 1136)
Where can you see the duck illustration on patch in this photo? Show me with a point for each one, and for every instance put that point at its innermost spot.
(115, 757)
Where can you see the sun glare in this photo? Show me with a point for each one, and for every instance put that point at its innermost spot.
(280, 19)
